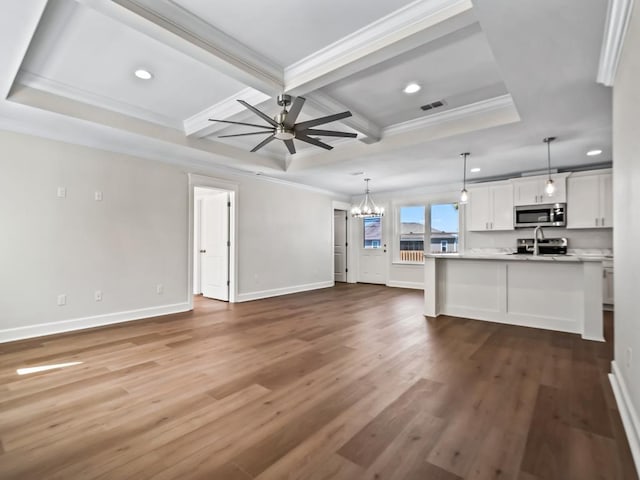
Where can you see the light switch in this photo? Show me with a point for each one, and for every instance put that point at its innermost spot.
(62, 192)
(98, 196)
(98, 295)
(62, 300)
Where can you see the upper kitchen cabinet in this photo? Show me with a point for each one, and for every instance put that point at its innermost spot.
(590, 201)
(531, 190)
(490, 207)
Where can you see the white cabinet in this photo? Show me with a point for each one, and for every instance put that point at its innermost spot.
(531, 191)
(590, 201)
(490, 208)
(607, 285)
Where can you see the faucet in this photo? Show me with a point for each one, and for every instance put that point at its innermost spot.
(535, 239)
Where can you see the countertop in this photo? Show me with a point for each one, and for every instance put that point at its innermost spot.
(569, 258)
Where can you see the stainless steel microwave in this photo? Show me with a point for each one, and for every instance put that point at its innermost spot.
(548, 215)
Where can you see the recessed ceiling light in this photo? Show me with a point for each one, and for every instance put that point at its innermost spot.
(143, 74)
(412, 88)
(475, 170)
(593, 153)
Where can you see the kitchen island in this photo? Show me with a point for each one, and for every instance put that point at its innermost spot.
(562, 292)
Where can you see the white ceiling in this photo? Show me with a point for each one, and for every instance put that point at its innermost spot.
(510, 73)
(289, 30)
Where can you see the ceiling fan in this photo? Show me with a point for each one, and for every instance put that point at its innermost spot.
(284, 127)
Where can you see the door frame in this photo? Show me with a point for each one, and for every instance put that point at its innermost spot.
(233, 189)
(352, 276)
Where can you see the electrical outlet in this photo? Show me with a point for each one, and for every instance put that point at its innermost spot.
(98, 196)
(97, 296)
(159, 289)
(62, 192)
(62, 300)
(629, 357)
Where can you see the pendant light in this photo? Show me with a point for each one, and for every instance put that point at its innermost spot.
(367, 207)
(464, 195)
(550, 187)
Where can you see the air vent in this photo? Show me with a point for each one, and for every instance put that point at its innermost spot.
(431, 106)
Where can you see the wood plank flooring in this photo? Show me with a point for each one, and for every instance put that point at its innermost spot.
(348, 383)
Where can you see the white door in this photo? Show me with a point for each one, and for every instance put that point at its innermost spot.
(502, 206)
(340, 245)
(214, 246)
(373, 252)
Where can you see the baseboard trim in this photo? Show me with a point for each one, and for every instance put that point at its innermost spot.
(412, 285)
(276, 292)
(42, 329)
(627, 412)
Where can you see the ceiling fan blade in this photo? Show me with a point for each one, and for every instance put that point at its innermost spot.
(243, 134)
(294, 111)
(265, 117)
(313, 141)
(321, 120)
(327, 133)
(263, 143)
(240, 123)
(290, 146)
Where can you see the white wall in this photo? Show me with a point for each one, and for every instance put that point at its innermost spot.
(124, 245)
(135, 238)
(285, 239)
(626, 187)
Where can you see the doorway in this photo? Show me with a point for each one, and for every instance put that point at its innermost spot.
(340, 245)
(212, 243)
(212, 228)
(373, 252)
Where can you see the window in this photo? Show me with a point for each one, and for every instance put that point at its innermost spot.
(412, 233)
(445, 227)
(372, 232)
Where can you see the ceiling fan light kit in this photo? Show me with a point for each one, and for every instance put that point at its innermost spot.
(284, 127)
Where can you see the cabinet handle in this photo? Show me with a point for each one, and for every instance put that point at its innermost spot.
(602, 221)
(596, 221)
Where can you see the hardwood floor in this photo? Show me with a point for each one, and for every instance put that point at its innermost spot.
(350, 382)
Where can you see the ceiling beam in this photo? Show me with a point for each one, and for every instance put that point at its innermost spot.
(418, 23)
(176, 27)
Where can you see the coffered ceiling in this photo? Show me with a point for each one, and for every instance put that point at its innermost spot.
(508, 73)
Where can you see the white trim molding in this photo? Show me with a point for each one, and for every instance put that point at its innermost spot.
(615, 29)
(276, 292)
(477, 108)
(411, 285)
(628, 413)
(50, 328)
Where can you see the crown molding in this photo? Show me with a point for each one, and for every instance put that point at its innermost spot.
(481, 107)
(307, 74)
(618, 16)
(199, 125)
(178, 28)
(61, 89)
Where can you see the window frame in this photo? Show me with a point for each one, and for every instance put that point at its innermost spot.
(397, 229)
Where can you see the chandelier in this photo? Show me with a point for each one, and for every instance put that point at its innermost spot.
(367, 207)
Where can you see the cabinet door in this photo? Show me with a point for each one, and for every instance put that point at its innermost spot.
(478, 209)
(527, 192)
(606, 200)
(502, 203)
(583, 202)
